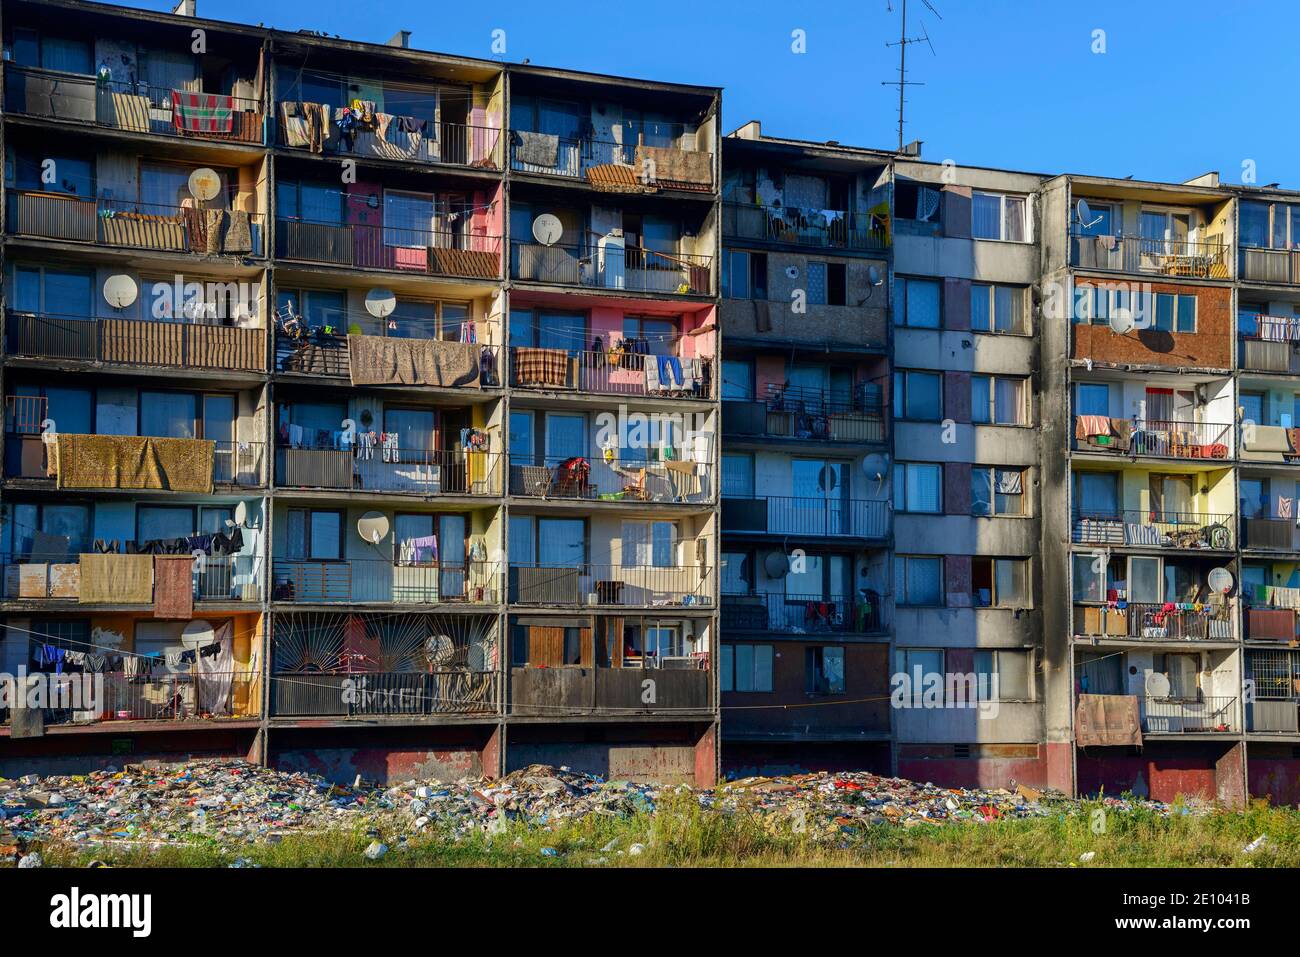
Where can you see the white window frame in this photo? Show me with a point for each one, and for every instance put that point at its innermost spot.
(901, 470)
(1026, 234)
(991, 290)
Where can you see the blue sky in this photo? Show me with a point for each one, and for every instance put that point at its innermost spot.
(1182, 88)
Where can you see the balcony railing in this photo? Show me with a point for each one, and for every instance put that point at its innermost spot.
(1201, 715)
(654, 479)
(807, 516)
(160, 697)
(1160, 438)
(811, 415)
(1154, 622)
(616, 267)
(134, 107)
(1271, 344)
(132, 225)
(804, 227)
(550, 155)
(381, 469)
(800, 614)
(1273, 715)
(138, 342)
(1144, 528)
(377, 694)
(681, 684)
(401, 249)
(407, 139)
(1270, 534)
(363, 580)
(606, 373)
(221, 578)
(1257, 264)
(1265, 623)
(1159, 257)
(320, 353)
(610, 585)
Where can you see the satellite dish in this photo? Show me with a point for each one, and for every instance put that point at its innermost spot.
(1084, 213)
(204, 183)
(1121, 322)
(547, 229)
(792, 272)
(373, 527)
(120, 291)
(776, 564)
(196, 634)
(876, 466)
(380, 302)
(1156, 685)
(874, 277)
(1220, 581)
(241, 513)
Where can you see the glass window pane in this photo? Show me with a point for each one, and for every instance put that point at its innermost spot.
(326, 528)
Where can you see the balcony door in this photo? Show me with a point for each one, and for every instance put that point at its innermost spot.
(821, 499)
(1165, 231)
(566, 437)
(1170, 409)
(1173, 498)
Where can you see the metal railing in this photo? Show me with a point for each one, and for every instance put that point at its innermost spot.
(613, 267)
(1144, 528)
(1199, 715)
(433, 252)
(1265, 715)
(1261, 264)
(652, 479)
(368, 693)
(609, 585)
(142, 342)
(453, 144)
(1161, 257)
(380, 469)
(1155, 622)
(1265, 623)
(607, 373)
(134, 107)
(795, 412)
(307, 581)
(160, 697)
(1270, 534)
(221, 578)
(135, 225)
(803, 227)
(572, 158)
(800, 614)
(1164, 438)
(324, 353)
(811, 516)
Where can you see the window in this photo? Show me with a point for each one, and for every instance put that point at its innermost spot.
(918, 396)
(997, 491)
(649, 545)
(816, 282)
(1011, 671)
(1000, 582)
(737, 379)
(998, 400)
(837, 284)
(1088, 574)
(315, 534)
(562, 542)
(51, 291)
(737, 573)
(1103, 220)
(53, 53)
(918, 487)
(320, 309)
(1096, 304)
(163, 522)
(915, 201)
(918, 580)
(998, 216)
(824, 670)
(311, 202)
(1253, 406)
(746, 668)
(1096, 494)
(738, 474)
(998, 309)
(1183, 672)
(659, 336)
(408, 219)
(1175, 313)
(919, 661)
(916, 303)
(1270, 225)
(1092, 398)
(744, 275)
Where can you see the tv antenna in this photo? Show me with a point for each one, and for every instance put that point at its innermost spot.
(903, 41)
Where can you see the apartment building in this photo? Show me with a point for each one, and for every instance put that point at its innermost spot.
(356, 419)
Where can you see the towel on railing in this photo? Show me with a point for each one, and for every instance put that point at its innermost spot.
(134, 462)
(173, 577)
(202, 112)
(1086, 426)
(536, 149)
(116, 579)
(670, 165)
(1108, 720)
(379, 360)
(546, 367)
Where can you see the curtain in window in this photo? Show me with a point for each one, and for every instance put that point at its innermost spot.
(71, 56)
(924, 581)
(158, 521)
(986, 216)
(1009, 401)
(408, 219)
(561, 542)
(320, 204)
(1015, 219)
(68, 293)
(168, 414)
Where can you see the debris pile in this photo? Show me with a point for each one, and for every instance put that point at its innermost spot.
(233, 802)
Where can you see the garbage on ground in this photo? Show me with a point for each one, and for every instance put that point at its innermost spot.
(234, 803)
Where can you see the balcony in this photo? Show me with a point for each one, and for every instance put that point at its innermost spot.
(1273, 345)
(377, 581)
(607, 373)
(1264, 623)
(677, 480)
(417, 360)
(165, 699)
(423, 472)
(807, 517)
(1215, 714)
(402, 138)
(136, 342)
(1258, 264)
(1273, 715)
(129, 225)
(1143, 528)
(378, 694)
(132, 107)
(427, 252)
(801, 614)
(680, 684)
(610, 585)
(613, 267)
(1270, 534)
(1154, 622)
(126, 579)
(809, 415)
(1153, 438)
(1181, 259)
(611, 164)
(819, 228)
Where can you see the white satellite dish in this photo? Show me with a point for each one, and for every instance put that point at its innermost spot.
(196, 634)
(876, 466)
(1156, 685)
(120, 291)
(380, 302)
(1121, 322)
(547, 229)
(776, 564)
(874, 277)
(204, 183)
(792, 272)
(373, 527)
(1220, 581)
(1084, 212)
(241, 513)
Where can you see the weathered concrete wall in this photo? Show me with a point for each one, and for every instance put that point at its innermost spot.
(83, 752)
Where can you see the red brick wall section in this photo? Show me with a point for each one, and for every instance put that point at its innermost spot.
(956, 304)
(956, 488)
(956, 396)
(956, 569)
(1210, 347)
(1230, 775)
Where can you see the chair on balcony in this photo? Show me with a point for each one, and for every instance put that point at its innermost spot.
(637, 488)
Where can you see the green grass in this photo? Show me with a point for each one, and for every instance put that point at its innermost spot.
(681, 834)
